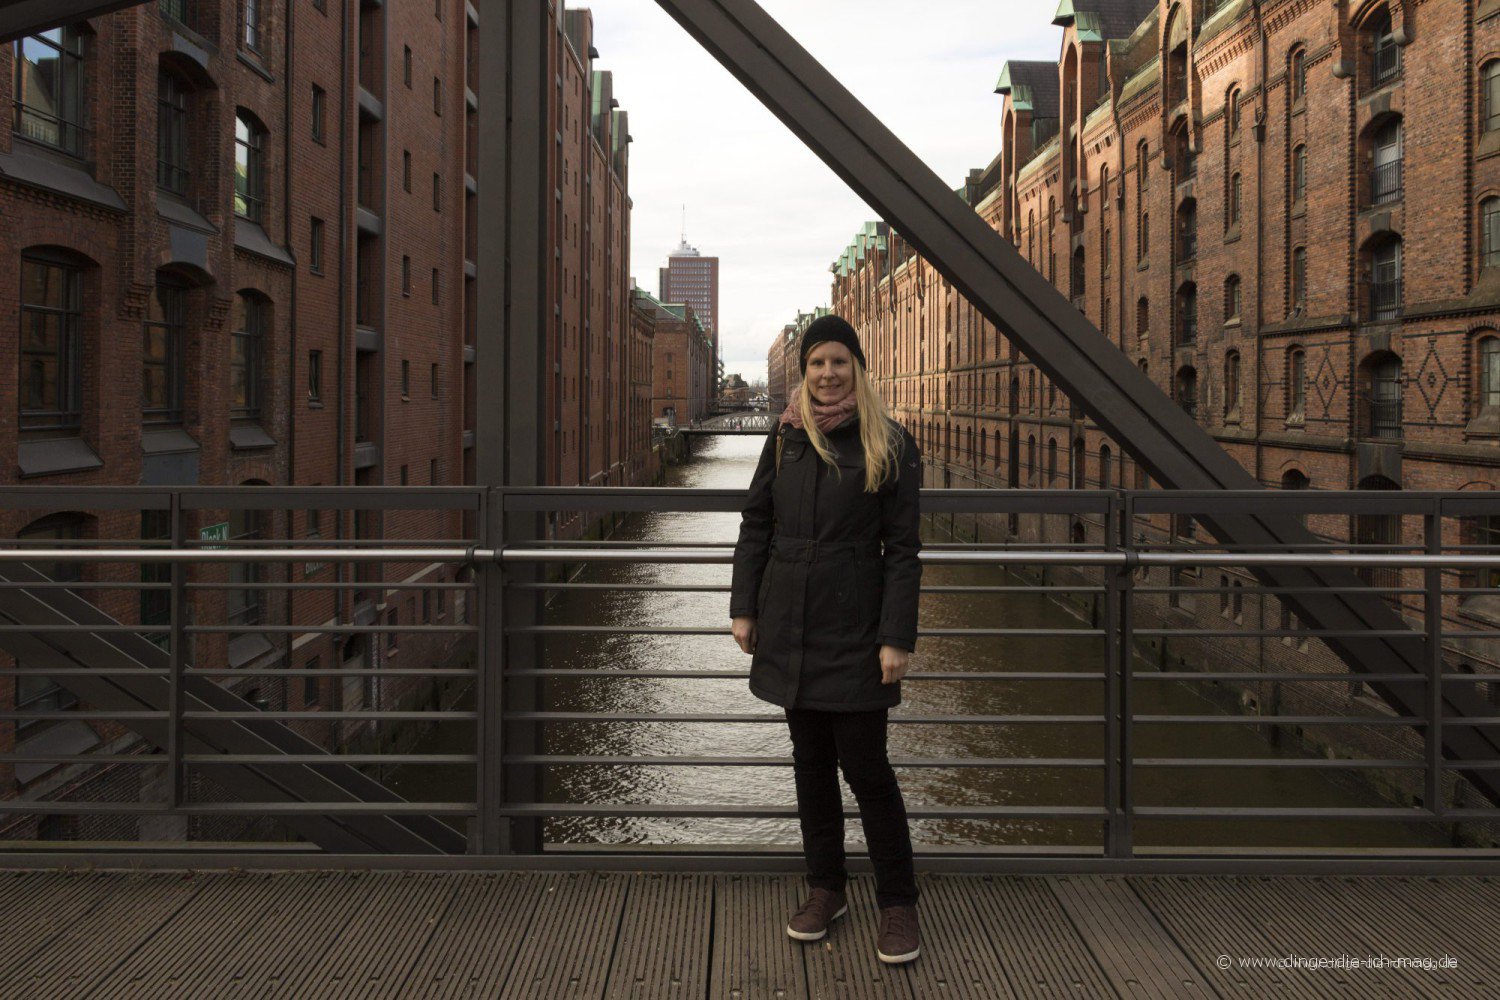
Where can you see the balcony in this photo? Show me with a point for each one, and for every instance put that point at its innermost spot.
(1386, 183)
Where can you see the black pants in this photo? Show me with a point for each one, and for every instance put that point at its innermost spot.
(856, 741)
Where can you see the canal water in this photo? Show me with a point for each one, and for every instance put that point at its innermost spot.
(728, 462)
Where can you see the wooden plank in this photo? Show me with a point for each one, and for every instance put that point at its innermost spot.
(843, 964)
(567, 950)
(373, 953)
(958, 958)
(662, 950)
(753, 958)
(42, 906)
(473, 947)
(268, 959)
(1135, 952)
(74, 963)
(1040, 951)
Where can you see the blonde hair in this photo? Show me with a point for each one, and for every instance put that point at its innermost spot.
(877, 432)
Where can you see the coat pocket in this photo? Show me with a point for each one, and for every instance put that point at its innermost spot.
(869, 579)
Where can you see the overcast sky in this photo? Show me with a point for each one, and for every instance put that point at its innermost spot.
(756, 197)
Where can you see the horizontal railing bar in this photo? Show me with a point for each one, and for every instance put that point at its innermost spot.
(790, 812)
(520, 716)
(1276, 763)
(387, 808)
(1026, 633)
(930, 675)
(1246, 633)
(152, 759)
(596, 759)
(331, 758)
(131, 715)
(435, 715)
(1292, 812)
(332, 585)
(1251, 675)
(323, 629)
(332, 672)
(723, 588)
(227, 555)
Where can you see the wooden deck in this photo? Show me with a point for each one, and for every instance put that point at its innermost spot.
(537, 935)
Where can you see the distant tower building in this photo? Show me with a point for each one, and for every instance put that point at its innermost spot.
(693, 278)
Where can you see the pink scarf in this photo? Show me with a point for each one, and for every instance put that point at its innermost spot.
(827, 417)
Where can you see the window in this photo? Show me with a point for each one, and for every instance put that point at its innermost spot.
(1232, 214)
(405, 379)
(406, 65)
(1080, 272)
(310, 681)
(1490, 95)
(1187, 314)
(1104, 252)
(1142, 174)
(404, 476)
(177, 10)
(315, 377)
(1296, 384)
(437, 96)
(1386, 54)
(1232, 384)
(315, 246)
(1143, 247)
(156, 601)
(48, 90)
(1232, 112)
(1299, 278)
(242, 598)
(162, 362)
(1489, 372)
(1489, 232)
(1299, 76)
(391, 640)
(1385, 178)
(247, 340)
(437, 192)
(171, 133)
(1232, 297)
(1106, 467)
(50, 360)
(1382, 378)
(319, 113)
(254, 26)
(1051, 461)
(432, 471)
(434, 380)
(434, 286)
(405, 275)
(1187, 390)
(1299, 173)
(1142, 318)
(406, 170)
(249, 168)
(1385, 280)
(1187, 230)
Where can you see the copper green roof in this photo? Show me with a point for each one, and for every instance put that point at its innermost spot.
(1064, 15)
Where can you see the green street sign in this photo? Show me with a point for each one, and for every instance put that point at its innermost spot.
(214, 533)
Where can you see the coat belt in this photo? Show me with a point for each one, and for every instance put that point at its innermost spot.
(807, 550)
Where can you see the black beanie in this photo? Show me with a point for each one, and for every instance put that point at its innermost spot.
(830, 327)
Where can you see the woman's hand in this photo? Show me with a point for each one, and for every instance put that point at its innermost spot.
(893, 663)
(744, 633)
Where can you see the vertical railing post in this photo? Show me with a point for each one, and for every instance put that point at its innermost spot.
(177, 611)
(1433, 600)
(1118, 657)
(487, 599)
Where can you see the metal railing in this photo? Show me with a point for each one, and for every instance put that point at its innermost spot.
(1386, 183)
(312, 772)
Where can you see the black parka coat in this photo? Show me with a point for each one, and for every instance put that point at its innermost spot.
(829, 571)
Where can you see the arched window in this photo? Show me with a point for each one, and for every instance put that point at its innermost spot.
(242, 601)
(1378, 534)
(1014, 404)
(1187, 230)
(1296, 379)
(1385, 279)
(1294, 479)
(49, 88)
(1489, 373)
(1232, 385)
(1080, 275)
(1385, 54)
(51, 358)
(1299, 173)
(1051, 461)
(1232, 210)
(1075, 474)
(1031, 237)
(249, 168)
(1232, 297)
(1142, 171)
(1232, 112)
(1489, 77)
(1298, 75)
(1031, 457)
(1187, 390)
(1142, 318)
(252, 315)
(1489, 232)
(1385, 175)
(1143, 244)
(1380, 377)
(1106, 468)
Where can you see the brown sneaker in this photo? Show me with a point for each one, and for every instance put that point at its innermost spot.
(899, 939)
(812, 918)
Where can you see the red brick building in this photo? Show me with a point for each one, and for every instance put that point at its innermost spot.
(681, 380)
(244, 237)
(693, 278)
(1225, 189)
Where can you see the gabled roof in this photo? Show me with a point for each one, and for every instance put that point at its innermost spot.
(1100, 20)
(1031, 86)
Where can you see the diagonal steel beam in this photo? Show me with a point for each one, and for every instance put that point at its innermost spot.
(19, 18)
(1061, 341)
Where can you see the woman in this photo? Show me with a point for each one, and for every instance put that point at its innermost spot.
(825, 599)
